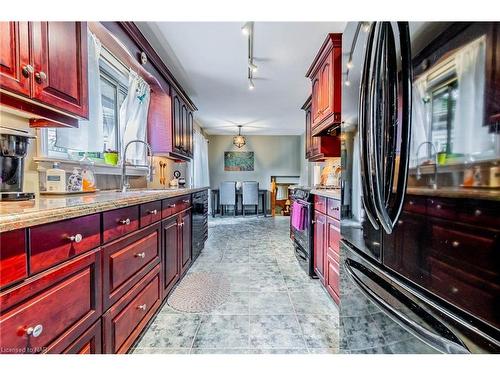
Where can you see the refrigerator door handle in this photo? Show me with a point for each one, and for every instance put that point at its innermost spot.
(383, 90)
(363, 112)
(444, 340)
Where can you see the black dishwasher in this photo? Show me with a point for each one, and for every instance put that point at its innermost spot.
(200, 221)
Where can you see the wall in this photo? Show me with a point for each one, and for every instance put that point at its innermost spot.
(104, 181)
(274, 156)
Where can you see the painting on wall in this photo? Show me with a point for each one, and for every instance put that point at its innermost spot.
(238, 161)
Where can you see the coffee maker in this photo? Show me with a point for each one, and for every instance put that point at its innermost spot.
(13, 149)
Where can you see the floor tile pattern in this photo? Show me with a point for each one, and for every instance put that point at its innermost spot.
(273, 307)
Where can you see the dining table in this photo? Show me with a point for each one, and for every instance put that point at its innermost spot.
(214, 194)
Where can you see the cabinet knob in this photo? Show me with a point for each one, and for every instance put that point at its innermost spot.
(186, 201)
(400, 222)
(455, 244)
(438, 206)
(40, 77)
(153, 212)
(76, 238)
(140, 255)
(34, 331)
(142, 307)
(411, 203)
(125, 221)
(313, 221)
(477, 213)
(171, 205)
(28, 70)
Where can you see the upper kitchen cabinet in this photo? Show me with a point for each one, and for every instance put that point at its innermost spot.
(326, 77)
(182, 127)
(43, 70)
(320, 147)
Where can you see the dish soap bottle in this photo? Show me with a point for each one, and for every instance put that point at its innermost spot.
(55, 179)
(88, 175)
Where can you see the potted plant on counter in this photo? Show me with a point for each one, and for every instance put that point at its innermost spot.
(111, 157)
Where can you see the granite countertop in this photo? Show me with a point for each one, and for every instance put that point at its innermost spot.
(456, 192)
(328, 193)
(46, 209)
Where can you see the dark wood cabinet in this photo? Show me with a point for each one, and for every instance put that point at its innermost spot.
(13, 258)
(182, 127)
(46, 62)
(320, 231)
(318, 148)
(326, 79)
(177, 246)
(326, 239)
(48, 312)
(88, 343)
(170, 256)
(117, 223)
(14, 57)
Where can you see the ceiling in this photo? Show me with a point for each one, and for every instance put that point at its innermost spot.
(209, 59)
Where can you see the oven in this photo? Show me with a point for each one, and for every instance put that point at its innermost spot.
(303, 239)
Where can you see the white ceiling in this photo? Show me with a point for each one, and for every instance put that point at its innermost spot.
(209, 59)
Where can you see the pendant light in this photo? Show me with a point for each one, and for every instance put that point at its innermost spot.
(239, 140)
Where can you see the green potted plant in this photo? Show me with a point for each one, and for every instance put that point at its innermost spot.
(111, 157)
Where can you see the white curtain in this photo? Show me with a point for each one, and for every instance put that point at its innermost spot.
(89, 135)
(356, 180)
(421, 121)
(470, 136)
(133, 118)
(200, 160)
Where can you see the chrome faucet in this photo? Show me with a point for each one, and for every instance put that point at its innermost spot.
(124, 184)
(419, 173)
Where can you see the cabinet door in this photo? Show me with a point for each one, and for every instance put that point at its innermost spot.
(184, 121)
(189, 134)
(326, 87)
(170, 253)
(319, 244)
(88, 343)
(332, 259)
(185, 241)
(60, 62)
(316, 99)
(308, 133)
(14, 57)
(177, 120)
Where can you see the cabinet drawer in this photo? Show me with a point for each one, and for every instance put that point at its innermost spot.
(150, 213)
(59, 305)
(333, 242)
(56, 242)
(333, 208)
(13, 259)
(415, 205)
(127, 260)
(320, 204)
(119, 222)
(467, 249)
(171, 206)
(442, 208)
(480, 214)
(88, 343)
(124, 322)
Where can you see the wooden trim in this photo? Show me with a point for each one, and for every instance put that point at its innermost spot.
(136, 35)
(307, 103)
(336, 40)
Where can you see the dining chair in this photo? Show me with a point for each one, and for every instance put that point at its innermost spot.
(227, 196)
(250, 191)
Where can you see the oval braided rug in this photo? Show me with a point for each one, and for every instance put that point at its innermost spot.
(200, 292)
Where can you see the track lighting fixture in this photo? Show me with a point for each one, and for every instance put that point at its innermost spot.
(252, 66)
(365, 26)
(349, 63)
(247, 28)
(251, 85)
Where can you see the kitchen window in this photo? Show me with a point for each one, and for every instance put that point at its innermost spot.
(113, 85)
(443, 104)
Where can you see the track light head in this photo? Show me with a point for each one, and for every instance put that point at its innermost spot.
(247, 28)
(251, 85)
(252, 66)
(349, 64)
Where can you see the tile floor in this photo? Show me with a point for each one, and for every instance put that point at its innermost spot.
(274, 307)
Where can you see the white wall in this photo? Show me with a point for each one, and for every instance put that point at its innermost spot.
(274, 156)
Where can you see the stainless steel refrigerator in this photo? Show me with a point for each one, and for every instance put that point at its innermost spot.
(421, 204)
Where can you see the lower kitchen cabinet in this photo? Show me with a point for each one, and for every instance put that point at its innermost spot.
(48, 312)
(176, 248)
(327, 245)
(124, 322)
(88, 343)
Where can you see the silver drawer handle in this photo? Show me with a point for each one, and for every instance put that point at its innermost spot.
(34, 331)
(186, 201)
(411, 203)
(76, 238)
(455, 244)
(142, 307)
(477, 213)
(153, 212)
(438, 206)
(171, 205)
(125, 221)
(313, 221)
(140, 255)
(400, 222)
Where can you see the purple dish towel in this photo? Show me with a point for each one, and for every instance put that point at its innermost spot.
(298, 216)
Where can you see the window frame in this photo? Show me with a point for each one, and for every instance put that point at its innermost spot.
(447, 82)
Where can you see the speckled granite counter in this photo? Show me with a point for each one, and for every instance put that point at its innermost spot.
(46, 209)
(456, 192)
(329, 193)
